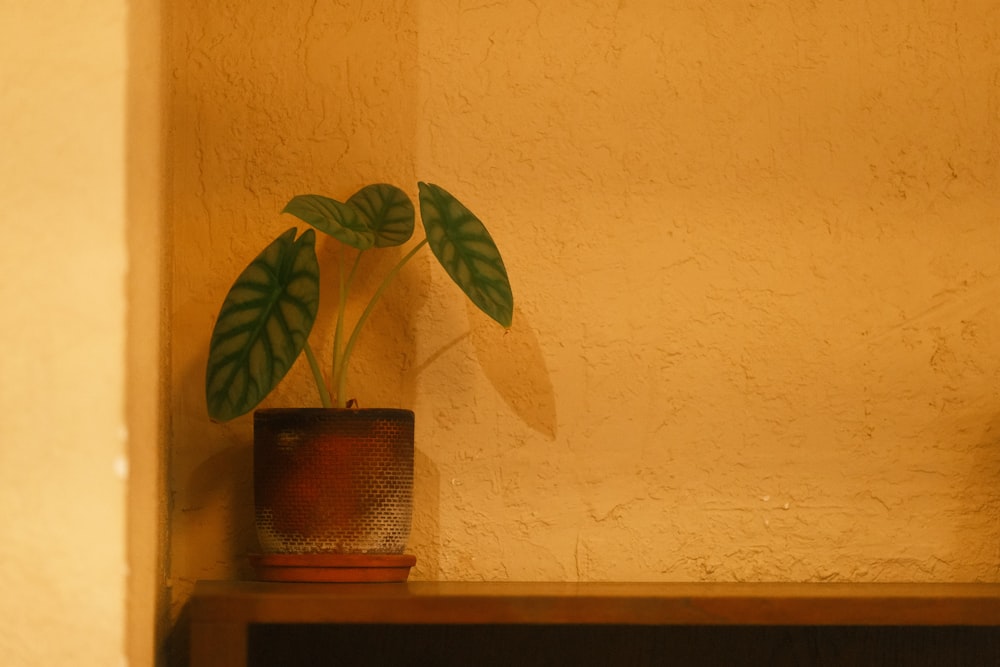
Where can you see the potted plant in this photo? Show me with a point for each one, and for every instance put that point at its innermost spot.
(333, 485)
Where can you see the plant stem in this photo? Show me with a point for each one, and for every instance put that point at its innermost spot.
(338, 336)
(340, 380)
(341, 307)
(324, 393)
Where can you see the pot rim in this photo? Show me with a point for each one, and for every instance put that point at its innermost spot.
(316, 411)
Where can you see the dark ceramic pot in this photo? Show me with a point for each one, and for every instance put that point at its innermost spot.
(333, 481)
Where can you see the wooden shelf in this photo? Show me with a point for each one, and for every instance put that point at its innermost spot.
(221, 611)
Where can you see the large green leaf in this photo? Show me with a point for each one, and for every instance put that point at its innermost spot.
(341, 221)
(263, 325)
(387, 211)
(467, 252)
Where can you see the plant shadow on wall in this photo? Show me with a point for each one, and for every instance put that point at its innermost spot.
(514, 365)
(516, 368)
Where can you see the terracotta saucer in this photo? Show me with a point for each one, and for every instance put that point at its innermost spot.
(340, 568)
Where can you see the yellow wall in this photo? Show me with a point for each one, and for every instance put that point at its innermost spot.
(754, 257)
(71, 157)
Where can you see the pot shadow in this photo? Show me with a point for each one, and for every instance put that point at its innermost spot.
(982, 503)
(512, 360)
(425, 536)
(221, 488)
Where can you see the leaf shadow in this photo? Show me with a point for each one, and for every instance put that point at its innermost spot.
(512, 360)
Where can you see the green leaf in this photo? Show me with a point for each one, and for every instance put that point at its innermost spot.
(263, 325)
(341, 221)
(387, 211)
(467, 252)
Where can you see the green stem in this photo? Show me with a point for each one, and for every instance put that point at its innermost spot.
(338, 336)
(324, 393)
(341, 378)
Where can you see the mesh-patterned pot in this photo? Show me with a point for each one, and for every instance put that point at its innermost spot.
(333, 480)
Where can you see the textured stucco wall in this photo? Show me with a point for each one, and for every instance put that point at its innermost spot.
(62, 371)
(754, 257)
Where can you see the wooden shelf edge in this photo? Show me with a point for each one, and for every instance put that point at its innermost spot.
(555, 603)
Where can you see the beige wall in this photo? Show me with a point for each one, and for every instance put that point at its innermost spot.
(62, 431)
(146, 350)
(80, 426)
(753, 251)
